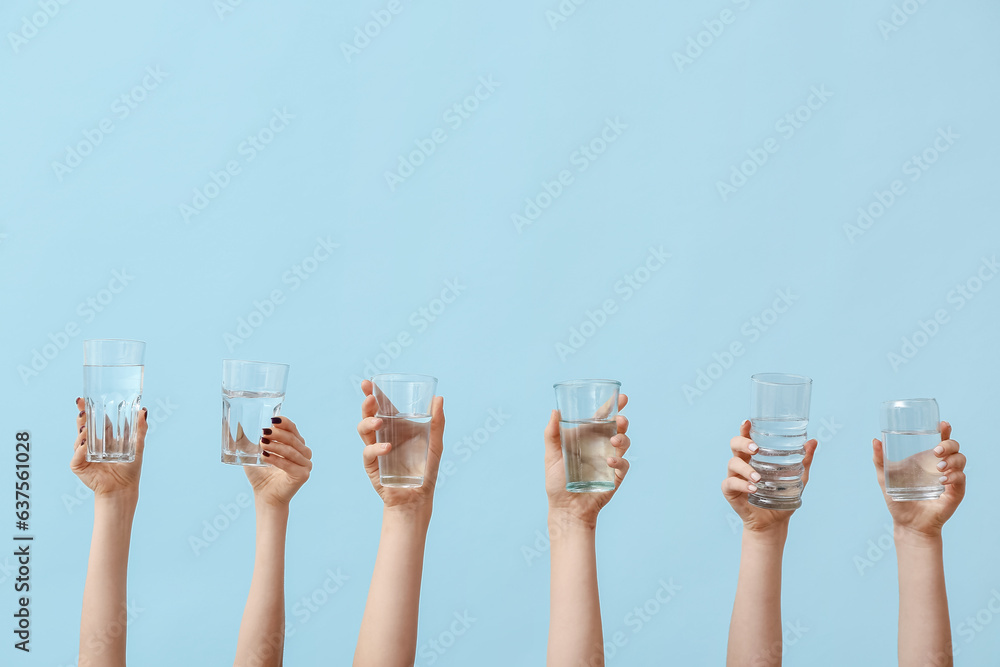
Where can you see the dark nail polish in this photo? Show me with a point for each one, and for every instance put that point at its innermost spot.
(275, 420)
(267, 431)
(82, 413)
(265, 441)
(81, 429)
(265, 453)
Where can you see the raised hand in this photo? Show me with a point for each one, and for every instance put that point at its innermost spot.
(290, 459)
(106, 478)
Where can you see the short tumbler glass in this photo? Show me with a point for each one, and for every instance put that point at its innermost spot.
(403, 403)
(779, 416)
(910, 432)
(112, 389)
(252, 393)
(587, 421)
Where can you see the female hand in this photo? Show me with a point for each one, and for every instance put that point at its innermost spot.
(582, 506)
(290, 459)
(927, 517)
(742, 479)
(416, 498)
(106, 478)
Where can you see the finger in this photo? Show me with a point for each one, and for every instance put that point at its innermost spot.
(739, 468)
(552, 438)
(622, 402)
(367, 429)
(385, 406)
(946, 448)
(810, 447)
(293, 469)
(369, 406)
(366, 387)
(954, 462)
(287, 437)
(79, 460)
(621, 443)
(140, 443)
(81, 438)
(742, 446)
(945, 429)
(286, 452)
(622, 422)
(735, 487)
(621, 467)
(878, 458)
(436, 447)
(286, 424)
(81, 417)
(370, 456)
(955, 480)
(606, 408)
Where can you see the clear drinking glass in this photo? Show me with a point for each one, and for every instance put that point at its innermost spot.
(112, 389)
(404, 406)
(910, 432)
(587, 412)
(779, 415)
(252, 393)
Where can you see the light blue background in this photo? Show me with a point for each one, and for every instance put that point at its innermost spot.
(494, 347)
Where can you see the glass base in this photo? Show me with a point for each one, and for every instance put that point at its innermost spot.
(401, 482)
(589, 487)
(109, 457)
(775, 503)
(922, 493)
(244, 460)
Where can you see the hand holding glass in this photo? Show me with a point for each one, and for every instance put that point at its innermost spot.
(252, 393)
(112, 389)
(587, 421)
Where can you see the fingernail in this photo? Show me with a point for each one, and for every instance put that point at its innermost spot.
(752, 447)
(275, 420)
(755, 476)
(145, 413)
(752, 488)
(77, 400)
(267, 431)
(939, 450)
(943, 478)
(81, 429)
(941, 465)
(265, 441)
(82, 413)
(265, 453)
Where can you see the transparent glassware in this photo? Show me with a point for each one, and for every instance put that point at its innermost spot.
(252, 393)
(910, 432)
(404, 405)
(779, 417)
(587, 421)
(112, 389)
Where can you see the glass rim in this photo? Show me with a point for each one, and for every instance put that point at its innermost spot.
(888, 404)
(413, 378)
(577, 383)
(254, 363)
(796, 379)
(113, 340)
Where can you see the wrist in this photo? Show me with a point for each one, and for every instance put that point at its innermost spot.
(407, 515)
(773, 535)
(121, 499)
(561, 521)
(905, 536)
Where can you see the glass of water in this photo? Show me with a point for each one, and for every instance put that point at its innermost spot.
(112, 388)
(909, 435)
(779, 415)
(404, 406)
(587, 422)
(252, 392)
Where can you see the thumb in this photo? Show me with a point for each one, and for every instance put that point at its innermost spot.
(553, 442)
(807, 460)
(879, 460)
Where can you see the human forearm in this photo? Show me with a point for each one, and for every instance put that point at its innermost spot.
(388, 636)
(924, 626)
(575, 633)
(262, 630)
(103, 619)
(755, 628)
